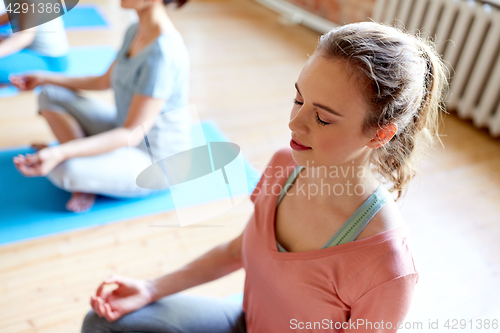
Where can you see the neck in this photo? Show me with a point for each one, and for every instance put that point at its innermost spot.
(153, 19)
(345, 186)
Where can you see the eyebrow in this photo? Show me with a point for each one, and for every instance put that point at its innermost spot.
(326, 108)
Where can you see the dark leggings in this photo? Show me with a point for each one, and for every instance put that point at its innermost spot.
(175, 313)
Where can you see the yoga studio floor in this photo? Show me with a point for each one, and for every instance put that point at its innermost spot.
(244, 65)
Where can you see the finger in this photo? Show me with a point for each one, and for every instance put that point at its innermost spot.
(29, 171)
(95, 306)
(99, 292)
(14, 78)
(18, 166)
(116, 279)
(27, 159)
(110, 316)
(34, 170)
(24, 169)
(32, 158)
(20, 163)
(17, 81)
(101, 307)
(20, 160)
(19, 157)
(106, 311)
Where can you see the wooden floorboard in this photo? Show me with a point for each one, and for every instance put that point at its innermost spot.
(244, 65)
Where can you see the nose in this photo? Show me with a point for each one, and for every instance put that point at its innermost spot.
(298, 121)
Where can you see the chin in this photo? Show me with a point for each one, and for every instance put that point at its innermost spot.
(123, 4)
(300, 158)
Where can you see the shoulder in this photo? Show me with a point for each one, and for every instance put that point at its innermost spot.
(280, 165)
(396, 257)
(389, 260)
(168, 49)
(170, 42)
(389, 217)
(392, 252)
(282, 157)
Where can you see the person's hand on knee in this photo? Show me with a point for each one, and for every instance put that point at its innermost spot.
(26, 82)
(131, 294)
(40, 163)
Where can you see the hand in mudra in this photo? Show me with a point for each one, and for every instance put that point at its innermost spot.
(39, 163)
(26, 82)
(131, 294)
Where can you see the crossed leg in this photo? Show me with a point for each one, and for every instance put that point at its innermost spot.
(66, 128)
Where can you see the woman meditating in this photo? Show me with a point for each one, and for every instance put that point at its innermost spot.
(150, 76)
(326, 248)
(42, 47)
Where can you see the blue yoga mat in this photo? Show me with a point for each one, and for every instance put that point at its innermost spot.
(83, 61)
(31, 207)
(8, 91)
(81, 17)
(84, 17)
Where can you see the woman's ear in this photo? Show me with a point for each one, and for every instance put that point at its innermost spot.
(383, 135)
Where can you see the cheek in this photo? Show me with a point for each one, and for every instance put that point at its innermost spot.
(335, 142)
(328, 142)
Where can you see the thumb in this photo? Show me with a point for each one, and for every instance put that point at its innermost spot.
(110, 279)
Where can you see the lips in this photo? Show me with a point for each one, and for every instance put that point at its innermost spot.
(295, 145)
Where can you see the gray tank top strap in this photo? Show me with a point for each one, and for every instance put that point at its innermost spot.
(281, 248)
(356, 222)
(289, 182)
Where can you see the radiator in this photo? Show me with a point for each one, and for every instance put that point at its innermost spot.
(467, 35)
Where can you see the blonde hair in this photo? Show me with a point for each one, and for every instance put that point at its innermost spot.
(406, 82)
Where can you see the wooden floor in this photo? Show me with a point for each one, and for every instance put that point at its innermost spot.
(244, 65)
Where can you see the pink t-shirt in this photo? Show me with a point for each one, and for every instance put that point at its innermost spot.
(370, 280)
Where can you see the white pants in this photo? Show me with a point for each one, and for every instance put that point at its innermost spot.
(108, 174)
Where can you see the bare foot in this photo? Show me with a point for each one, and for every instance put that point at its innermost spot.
(38, 146)
(80, 202)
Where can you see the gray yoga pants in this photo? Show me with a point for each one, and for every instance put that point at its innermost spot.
(178, 313)
(110, 174)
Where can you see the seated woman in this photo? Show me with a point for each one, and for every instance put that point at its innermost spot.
(43, 47)
(326, 249)
(150, 76)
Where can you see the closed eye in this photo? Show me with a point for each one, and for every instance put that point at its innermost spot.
(321, 122)
(318, 119)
